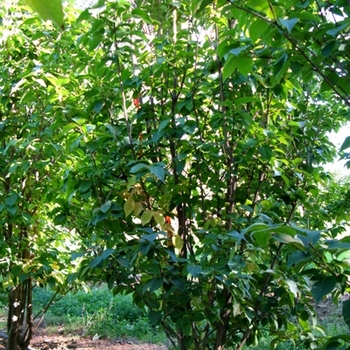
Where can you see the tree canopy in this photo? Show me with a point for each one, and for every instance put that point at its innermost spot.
(174, 150)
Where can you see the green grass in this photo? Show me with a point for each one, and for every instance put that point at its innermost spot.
(264, 344)
(97, 312)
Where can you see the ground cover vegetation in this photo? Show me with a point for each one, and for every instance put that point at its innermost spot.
(174, 151)
(96, 313)
(99, 314)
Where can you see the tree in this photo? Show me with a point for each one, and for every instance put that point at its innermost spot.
(34, 251)
(225, 139)
(188, 141)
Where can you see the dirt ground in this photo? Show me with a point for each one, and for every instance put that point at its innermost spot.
(43, 341)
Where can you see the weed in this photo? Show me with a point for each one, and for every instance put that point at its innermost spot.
(98, 312)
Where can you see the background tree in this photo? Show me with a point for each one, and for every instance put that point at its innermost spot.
(34, 251)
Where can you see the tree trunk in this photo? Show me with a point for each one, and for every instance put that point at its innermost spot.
(19, 321)
(222, 325)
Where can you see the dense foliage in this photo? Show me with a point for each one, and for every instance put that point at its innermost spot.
(179, 146)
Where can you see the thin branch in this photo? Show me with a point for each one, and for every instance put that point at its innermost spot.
(337, 89)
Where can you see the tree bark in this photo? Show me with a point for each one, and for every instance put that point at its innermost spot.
(19, 321)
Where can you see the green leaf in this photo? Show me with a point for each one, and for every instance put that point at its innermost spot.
(333, 32)
(257, 29)
(98, 105)
(136, 168)
(298, 257)
(143, 15)
(68, 127)
(76, 255)
(48, 10)
(60, 219)
(11, 200)
(153, 285)
(246, 99)
(262, 238)
(105, 207)
(280, 67)
(287, 239)
(346, 144)
(229, 67)
(199, 5)
(238, 50)
(158, 172)
(322, 287)
(328, 48)
(307, 15)
(289, 23)
(163, 124)
(266, 152)
(154, 316)
(194, 270)
(244, 65)
(98, 260)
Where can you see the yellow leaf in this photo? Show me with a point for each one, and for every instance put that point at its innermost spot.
(177, 242)
(129, 206)
(26, 267)
(146, 217)
(138, 208)
(159, 217)
(48, 10)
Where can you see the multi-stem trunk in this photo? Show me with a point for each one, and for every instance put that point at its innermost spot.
(19, 321)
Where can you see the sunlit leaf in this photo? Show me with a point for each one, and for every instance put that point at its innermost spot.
(142, 14)
(138, 208)
(159, 218)
(146, 217)
(177, 241)
(48, 10)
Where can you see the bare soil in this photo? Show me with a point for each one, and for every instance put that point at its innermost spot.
(43, 341)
